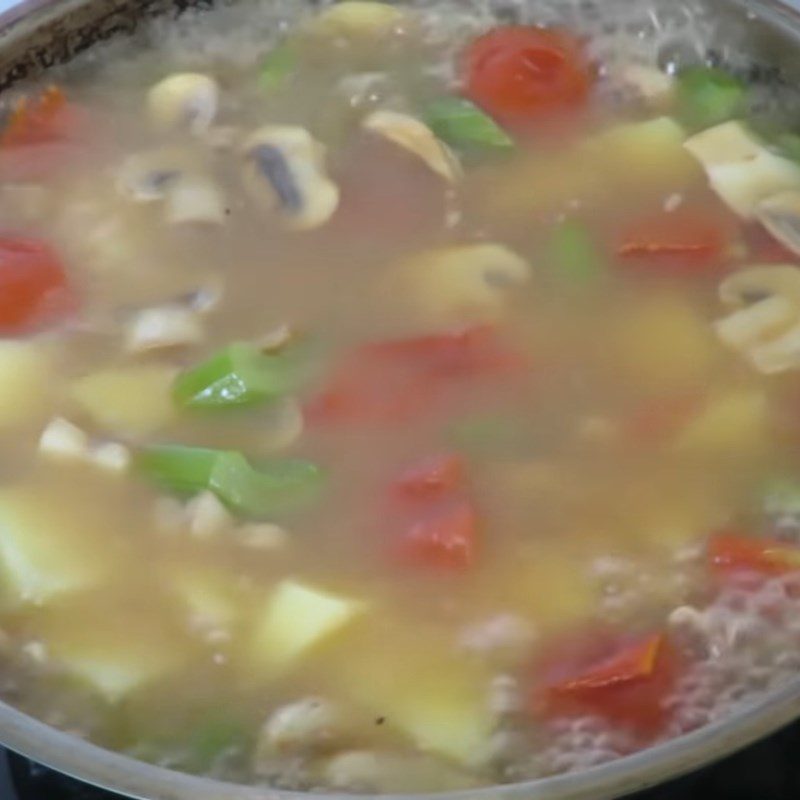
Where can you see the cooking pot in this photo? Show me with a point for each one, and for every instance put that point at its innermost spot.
(38, 34)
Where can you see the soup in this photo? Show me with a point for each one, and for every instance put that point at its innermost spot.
(399, 398)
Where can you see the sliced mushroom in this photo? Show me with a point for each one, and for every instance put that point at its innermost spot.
(748, 286)
(740, 168)
(264, 536)
(285, 172)
(163, 328)
(184, 101)
(417, 138)
(647, 85)
(765, 327)
(357, 19)
(178, 178)
(465, 282)
(780, 215)
(112, 457)
(310, 725)
(194, 200)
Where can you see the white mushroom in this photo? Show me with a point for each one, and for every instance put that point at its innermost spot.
(264, 536)
(194, 199)
(162, 328)
(285, 172)
(178, 178)
(184, 101)
(780, 215)
(357, 20)
(765, 327)
(740, 168)
(112, 457)
(310, 725)
(417, 138)
(648, 85)
(463, 282)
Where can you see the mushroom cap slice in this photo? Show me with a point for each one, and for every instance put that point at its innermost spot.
(780, 215)
(740, 168)
(184, 101)
(464, 282)
(754, 284)
(285, 172)
(357, 19)
(417, 138)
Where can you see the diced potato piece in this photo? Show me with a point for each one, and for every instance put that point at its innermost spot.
(50, 545)
(26, 378)
(662, 344)
(424, 688)
(652, 151)
(112, 647)
(733, 423)
(133, 401)
(295, 618)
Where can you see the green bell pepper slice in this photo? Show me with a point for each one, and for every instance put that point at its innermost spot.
(461, 124)
(574, 256)
(709, 96)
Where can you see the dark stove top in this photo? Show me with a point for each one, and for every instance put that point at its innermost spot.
(770, 770)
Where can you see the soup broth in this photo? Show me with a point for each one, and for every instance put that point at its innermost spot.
(399, 398)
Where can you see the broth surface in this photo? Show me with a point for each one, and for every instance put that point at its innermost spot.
(399, 398)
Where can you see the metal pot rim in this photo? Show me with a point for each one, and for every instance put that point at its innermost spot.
(124, 775)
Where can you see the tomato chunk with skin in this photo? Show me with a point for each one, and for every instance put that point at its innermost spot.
(431, 479)
(732, 552)
(677, 244)
(446, 540)
(525, 74)
(627, 685)
(42, 120)
(34, 290)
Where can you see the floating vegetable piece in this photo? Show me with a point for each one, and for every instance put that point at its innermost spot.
(417, 138)
(162, 328)
(278, 66)
(26, 375)
(709, 96)
(184, 101)
(461, 124)
(525, 75)
(766, 326)
(129, 401)
(240, 375)
(194, 199)
(462, 282)
(295, 619)
(357, 20)
(272, 488)
(741, 168)
(37, 121)
(573, 255)
(780, 215)
(731, 552)
(285, 172)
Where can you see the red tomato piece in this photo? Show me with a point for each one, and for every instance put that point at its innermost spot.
(33, 286)
(401, 379)
(447, 540)
(521, 73)
(732, 552)
(432, 479)
(679, 244)
(45, 119)
(627, 685)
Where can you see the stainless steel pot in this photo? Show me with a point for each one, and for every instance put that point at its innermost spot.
(37, 34)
